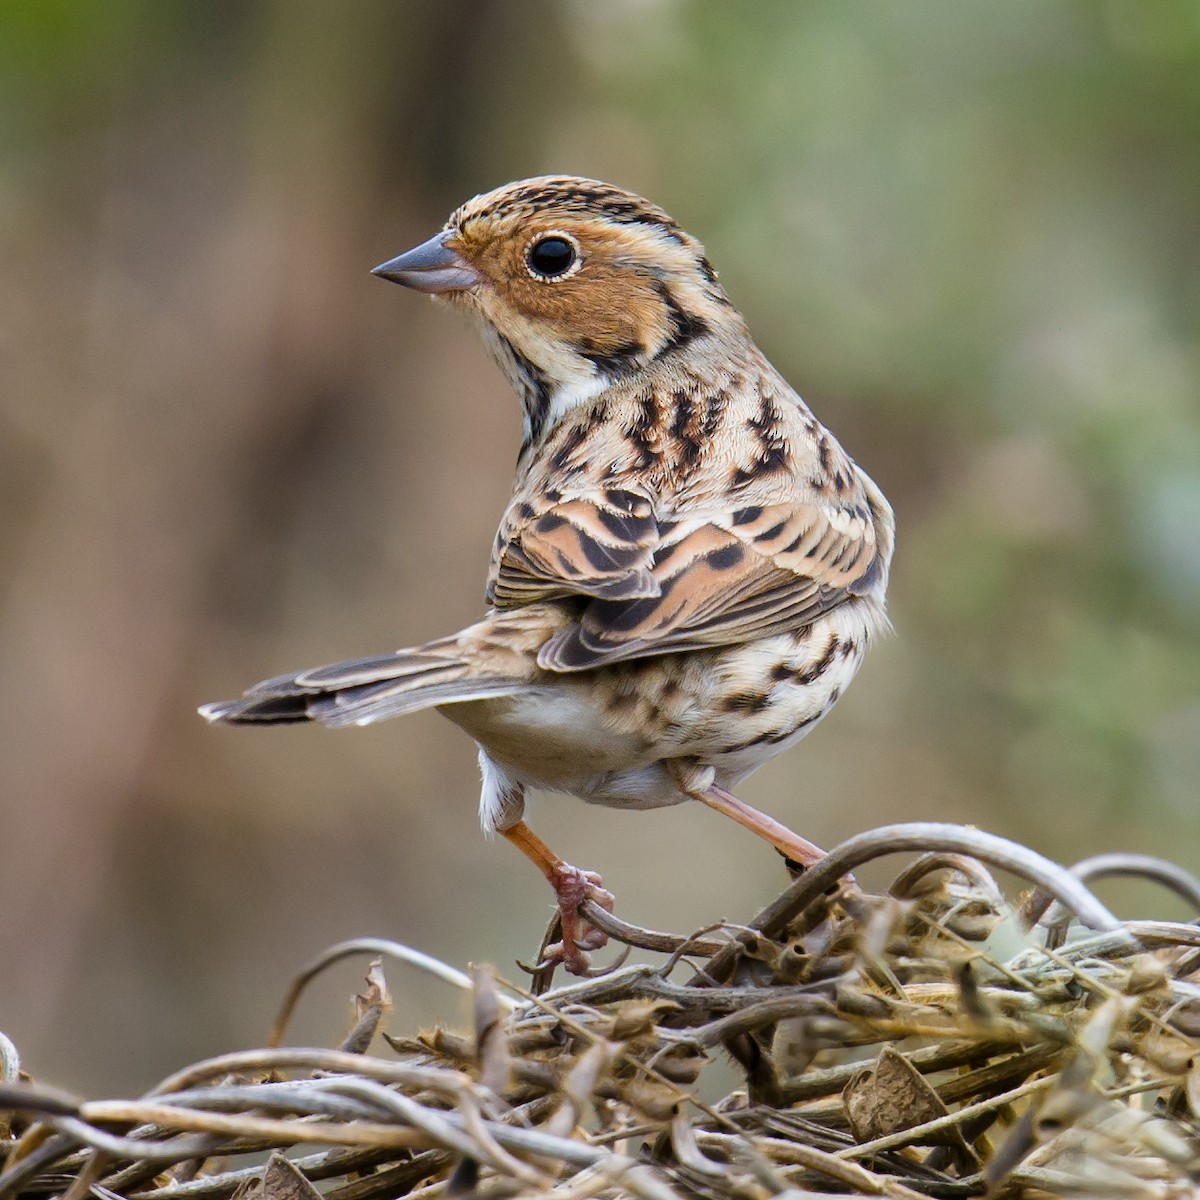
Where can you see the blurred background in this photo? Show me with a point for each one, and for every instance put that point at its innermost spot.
(968, 233)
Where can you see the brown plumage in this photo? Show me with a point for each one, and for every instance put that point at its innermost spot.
(690, 568)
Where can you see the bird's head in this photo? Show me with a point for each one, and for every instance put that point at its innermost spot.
(577, 283)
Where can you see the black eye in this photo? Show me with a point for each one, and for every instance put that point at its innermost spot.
(551, 257)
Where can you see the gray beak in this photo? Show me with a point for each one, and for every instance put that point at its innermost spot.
(431, 267)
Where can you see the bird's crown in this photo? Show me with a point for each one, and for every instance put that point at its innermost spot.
(568, 196)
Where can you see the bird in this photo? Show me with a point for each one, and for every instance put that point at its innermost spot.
(690, 568)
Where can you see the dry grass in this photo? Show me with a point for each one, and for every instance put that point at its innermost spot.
(932, 1041)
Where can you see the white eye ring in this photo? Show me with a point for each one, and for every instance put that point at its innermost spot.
(547, 235)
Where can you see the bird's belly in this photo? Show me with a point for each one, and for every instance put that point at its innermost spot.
(553, 736)
(609, 735)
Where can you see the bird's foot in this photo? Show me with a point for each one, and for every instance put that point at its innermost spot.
(571, 888)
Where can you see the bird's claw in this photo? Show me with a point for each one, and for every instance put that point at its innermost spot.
(571, 888)
(583, 965)
(572, 958)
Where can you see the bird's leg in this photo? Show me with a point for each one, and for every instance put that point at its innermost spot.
(791, 845)
(571, 888)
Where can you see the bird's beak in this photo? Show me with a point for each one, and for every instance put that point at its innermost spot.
(431, 267)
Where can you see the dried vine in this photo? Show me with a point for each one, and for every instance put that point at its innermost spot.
(931, 1041)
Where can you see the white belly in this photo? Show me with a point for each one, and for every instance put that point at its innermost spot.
(609, 736)
(552, 735)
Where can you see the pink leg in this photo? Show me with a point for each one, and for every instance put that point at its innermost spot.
(790, 845)
(571, 888)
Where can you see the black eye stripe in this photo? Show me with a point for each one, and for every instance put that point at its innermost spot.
(551, 257)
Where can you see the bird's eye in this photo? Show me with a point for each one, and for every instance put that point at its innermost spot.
(551, 257)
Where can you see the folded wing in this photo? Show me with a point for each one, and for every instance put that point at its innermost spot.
(652, 583)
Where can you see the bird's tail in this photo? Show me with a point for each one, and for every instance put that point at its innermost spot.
(364, 690)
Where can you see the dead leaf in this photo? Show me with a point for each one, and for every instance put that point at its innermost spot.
(282, 1180)
(369, 1008)
(491, 1043)
(892, 1096)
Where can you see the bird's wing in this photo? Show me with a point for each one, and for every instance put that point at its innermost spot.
(654, 581)
(594, 542)
(737, 575)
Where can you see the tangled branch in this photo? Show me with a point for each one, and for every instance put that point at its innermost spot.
(934, 1040)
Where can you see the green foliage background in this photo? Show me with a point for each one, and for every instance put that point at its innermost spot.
(966, 231)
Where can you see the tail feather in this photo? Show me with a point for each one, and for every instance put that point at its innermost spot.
(361, 691)
(280, 710)
(398, 664)
(346, 708)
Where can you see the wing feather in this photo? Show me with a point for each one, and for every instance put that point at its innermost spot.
(592, 544)
(656, 573)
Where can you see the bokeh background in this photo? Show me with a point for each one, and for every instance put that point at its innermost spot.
(969, 233)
